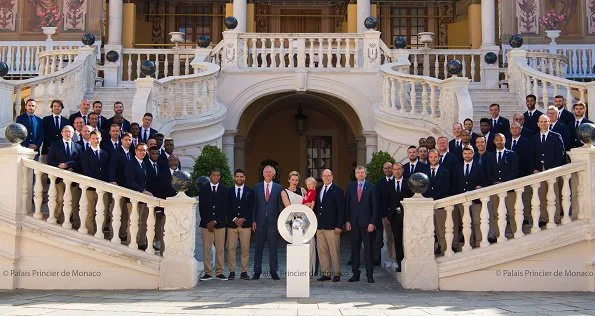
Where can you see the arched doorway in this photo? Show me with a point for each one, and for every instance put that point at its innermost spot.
(268, 133)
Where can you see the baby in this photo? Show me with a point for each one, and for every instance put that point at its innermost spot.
(311, 194)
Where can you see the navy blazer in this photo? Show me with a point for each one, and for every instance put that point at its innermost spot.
(439, 185)
(472, 140)
(34, 132)
(57, 155)
(50, 133)
(124, 127)
(566, 117)
(330, 212)
(531, 122)
(548, 155)
(264, 210)
(93, 167)
(242, 208)
(102, 123)
(490, 146)
(456, 151)
(78, 114)
(213, 205)
(527, 132)
(502, 126)
(482, 160)
(449, 161)
(364, 212)
(577, 142)
(155, 181)
(504, 170)
(136, 176)
(108, 146)
(141, 135)
(522, 150)
(117, 167)
(419, 167)
(463, 183)
(164, 162)
(564, 131)
(391, 199)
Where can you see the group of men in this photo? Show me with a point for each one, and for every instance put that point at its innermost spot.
(111, 150)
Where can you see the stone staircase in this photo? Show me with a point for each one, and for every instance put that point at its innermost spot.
(482, 98)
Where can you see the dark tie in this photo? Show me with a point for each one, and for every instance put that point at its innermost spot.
(433, 173)
(412, 169)
(499, 157)
(441, 158)
(57, 123)
(513, 144)
(577, 124)
(542, 138)
(359, 192)
(552, 127)
(142, 165)
(128, 156)
(323, 193)
(99, 122)
(115, 146)
(85, 119)
(494, 124)
(146, 137)
(398, 188)
(214, 189)
(155, 167)
(86, 146)
(530, 114)
(239, 195)
(97, 154)
(467, 170)
(458, 144)
(68, 150)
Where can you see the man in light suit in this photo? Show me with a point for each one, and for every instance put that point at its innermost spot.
(34, 127)
(266, 212)
(362, 213)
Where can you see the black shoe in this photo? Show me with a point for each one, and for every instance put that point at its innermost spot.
(244, 276)
(353, 278)
(349, 262)
(256, 276)
(492, 240)
(275, 276)
(323, 278)
(232, 276)
(142, 247)
(336, 278)
(206, 277)
(221, 277)
(542, 224)
(370, 280)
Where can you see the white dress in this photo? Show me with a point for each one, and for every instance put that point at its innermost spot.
(295, 198)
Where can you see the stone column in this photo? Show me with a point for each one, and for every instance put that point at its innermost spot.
(363, 11)
(240, 152)
(142, 97)
(239, 12)
(488, 23)
(419, 269)
(228, 147)
(113, 70)
(115, 22)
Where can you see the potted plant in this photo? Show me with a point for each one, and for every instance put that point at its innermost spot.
(49, 21)
(551, 22)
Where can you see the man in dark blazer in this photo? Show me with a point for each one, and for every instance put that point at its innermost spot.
(165, 190)
(532, 115)
(266, 211)
(65, 154)
(378, 236)
(97, 108)
(118, 118)
(520, 145)
(52, 126)
(117, 175)
(564, 116)
(559, 127)
(95, 164)
(468, 125)
(361, 208)
(469, 176)
(447, 159)
(329, 208)
(525, 132)
(413, 165)
(213, 206)
(146, 130)
(579, 119)
(82, 112)
(498, 124)
(485, 128)
(239, 223)
(136, 179)
(439, 188)
(392, 195)
(455, 145)
(481, 154)
(113, 142)
(34, 127)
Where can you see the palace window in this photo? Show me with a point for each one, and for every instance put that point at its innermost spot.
(199, 20)
(319, 150)
(409, 22)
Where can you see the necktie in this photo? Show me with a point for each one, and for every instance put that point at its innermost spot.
(128, 156)
(86, 146)
(57, 123)
(412, 169)
(214, 189)
(530, 114)
(99, 122)
(239, 195)
(31, 120)
(115, 146)
(499, 157)
(542, 138)
(68, 150)
(155, 167)
(267, 193)
(85, 119)
(398, 187)
(513, 144)
(441, 158)
(552, 127)
(323, 192)
(146, 136)
(577, 124)
(97, 154)
(494, 123)
(359, 192)
(458, 144)
(433, 172)
(467, 170)
(142, 165)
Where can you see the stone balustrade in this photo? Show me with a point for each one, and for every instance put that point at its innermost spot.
(55, 60)
(580, 58)
(168, 62)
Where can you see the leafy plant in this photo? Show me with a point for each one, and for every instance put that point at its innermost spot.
(211, 157)
(51, 17)
(374, 167)
(552, 20)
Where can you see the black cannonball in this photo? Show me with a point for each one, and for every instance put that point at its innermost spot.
(16, 133)
(88, 39)
(491, 58)
(112, 56)
(586, 133)
(371, 23)
(454, 67)
(201, 182)
(181, 180)
(419, 182)
(3, 69)
(231, 22)
(204, 41)
(400, 41)
(148, 68)
(516, 41)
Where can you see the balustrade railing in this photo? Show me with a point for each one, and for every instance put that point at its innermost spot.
(168, 62)
(548, 63)
(55, 60)
(580, 58)
(432, 62)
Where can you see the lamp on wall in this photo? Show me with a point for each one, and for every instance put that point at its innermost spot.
(300, 121)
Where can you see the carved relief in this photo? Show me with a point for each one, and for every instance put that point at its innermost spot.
(418, 235)
(177, 234)
(230, 53)
(446, 13)
(372, 52)
(8, 14)
(75, 12)
(527, 14)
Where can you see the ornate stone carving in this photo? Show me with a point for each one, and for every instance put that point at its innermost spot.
(8, 15)
(177, 234)
(527, 14)
(75, 12)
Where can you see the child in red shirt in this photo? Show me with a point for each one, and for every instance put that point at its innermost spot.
(311, 194)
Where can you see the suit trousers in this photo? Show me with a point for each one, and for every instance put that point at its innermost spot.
(328, 245)
(396, 236)
(493, 205)
(216, 237)
(390, 244)
(59, 211)
(92, 198)
(232, 242)
(377, 243)
(143, 213)
(359, 235)
(266, 234)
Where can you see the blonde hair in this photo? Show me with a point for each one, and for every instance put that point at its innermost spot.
(311, 180)
(293, 173)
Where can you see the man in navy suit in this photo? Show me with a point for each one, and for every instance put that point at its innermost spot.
(34, 127)
(466, 141)
(118, 118)
(439, 188)
(413, 165)
(392, 213)
(65, 154)
(52, 127)
(579, 119)
(481, 154)
(498, 124)
(447, 159)
(469, 176)
(266, 211)
(559, 127)
(97, 108)
(547, 151)
(168, 150)
(117, 175)
(136, 179)
(113, 142)
(564, 116)
(485, 128)
(520, 145)
(532, 115)
(378, 237)
(82, 112)
(468, 125)
(361, 211)
(503, 165)
(525, 132)
(330, 213)
(165, 190)
(95, 164)
(455, 145)
(213, 206)
(239, 217)
(147, 131)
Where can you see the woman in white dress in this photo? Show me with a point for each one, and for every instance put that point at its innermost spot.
(295, 195)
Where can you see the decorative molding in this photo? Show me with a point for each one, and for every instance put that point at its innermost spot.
(8, 15)
(75, 12)
(527, 13)
(590, 11)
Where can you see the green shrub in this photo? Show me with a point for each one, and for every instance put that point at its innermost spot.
(374, 167)
(211, 157)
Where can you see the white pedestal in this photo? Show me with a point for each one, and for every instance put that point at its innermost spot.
(298, 270)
